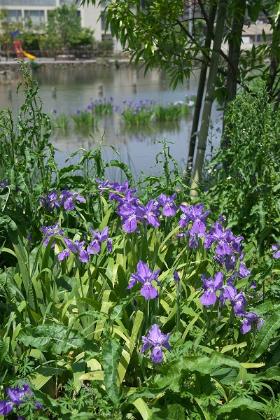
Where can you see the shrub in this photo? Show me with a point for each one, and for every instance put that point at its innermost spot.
(245, 175)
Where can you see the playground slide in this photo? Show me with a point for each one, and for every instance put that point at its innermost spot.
(27, 55)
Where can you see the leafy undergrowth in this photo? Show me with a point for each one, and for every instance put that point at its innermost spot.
(126, 300)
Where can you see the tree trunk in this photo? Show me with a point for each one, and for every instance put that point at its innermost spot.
(209, 97)
(234, 49)
(200, 91)
(274, 58)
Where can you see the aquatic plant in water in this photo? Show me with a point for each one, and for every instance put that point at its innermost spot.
(142, 113)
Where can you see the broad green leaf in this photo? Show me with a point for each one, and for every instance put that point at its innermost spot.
(143, 409)
(242, 403)
(231, 347)
(111, 355)
(266, 334)
(252, 365)
(129, 347)
(56, 338)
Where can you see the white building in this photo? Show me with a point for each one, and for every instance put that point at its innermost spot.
(37, 12)
(255, 34)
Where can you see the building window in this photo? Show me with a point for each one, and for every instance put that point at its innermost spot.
(36, 17)
(14, 15)
(67, 2)
(28, 3)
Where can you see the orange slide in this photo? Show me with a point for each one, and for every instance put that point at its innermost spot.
(20, 52)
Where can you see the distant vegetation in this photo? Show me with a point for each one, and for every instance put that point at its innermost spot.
(63, 34)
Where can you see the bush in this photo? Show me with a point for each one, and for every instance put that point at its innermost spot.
(31, 41)
(245, 175)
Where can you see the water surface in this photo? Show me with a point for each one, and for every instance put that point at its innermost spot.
(66, 89)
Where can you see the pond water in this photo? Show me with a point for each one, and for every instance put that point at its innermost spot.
(66, 89)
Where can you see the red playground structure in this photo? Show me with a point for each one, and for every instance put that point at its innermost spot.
(17, 44)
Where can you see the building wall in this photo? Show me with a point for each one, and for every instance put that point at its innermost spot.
(90, 19)
(37, 11)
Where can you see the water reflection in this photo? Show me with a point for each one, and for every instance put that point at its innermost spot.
(76, 86)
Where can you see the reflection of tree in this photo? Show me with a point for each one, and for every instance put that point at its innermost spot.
(155, 128)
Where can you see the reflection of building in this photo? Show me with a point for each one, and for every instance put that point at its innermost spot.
(37, 11)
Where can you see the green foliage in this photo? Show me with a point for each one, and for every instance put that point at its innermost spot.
(146, 116)
(84, 122)
(64, 30)
(25, 147)
(73, 330)
(32, 40)
(245, 173)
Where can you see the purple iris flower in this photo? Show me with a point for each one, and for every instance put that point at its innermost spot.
(99, 237)
(69, 199)
(239, 303)
(130, 209)
(228, 292)
(94, 247)
(228, 248)
(6, 407)
(244, 271)
(211, 286)
(196, 215)
(103, 185)
(129, 217)
(192, 214)
(50, 231)
(253, 285)
(156, 341)
(4, 184)
(131, 214)
(50, 201)
(169, 207)
(146, 277)
(17, 394)
(63, 255)
(125, 199)
(65, 199)
(250, 319)
(276, 249)
(109, 245)
(151, 213)
(237, 299)
(77, 248)
(176, 276)
(38, 405)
